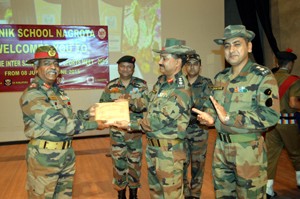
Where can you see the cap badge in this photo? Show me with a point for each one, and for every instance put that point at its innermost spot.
(51, 52)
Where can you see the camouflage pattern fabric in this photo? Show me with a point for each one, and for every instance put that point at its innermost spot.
(196, 140)
(252, 102)
(126, 147)
(284, 135)
(240, 169)
(167, 117)
(168, 109)
(50, 173)
(165, 168)
(48, 115)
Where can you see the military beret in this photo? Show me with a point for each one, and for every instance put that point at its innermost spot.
(232, 31)
(285, 55)
(127, 58)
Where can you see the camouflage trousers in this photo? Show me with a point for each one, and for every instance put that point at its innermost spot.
(50, 173)
(196, 155)
(165, 171)
(240, 169)
(126, 153)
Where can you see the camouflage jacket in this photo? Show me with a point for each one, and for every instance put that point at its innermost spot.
(168, 109)
(294, 90)
(48, 115)
(136, 89)
(201, 90)
(251, 100)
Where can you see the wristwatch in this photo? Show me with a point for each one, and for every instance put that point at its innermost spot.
(227, 118)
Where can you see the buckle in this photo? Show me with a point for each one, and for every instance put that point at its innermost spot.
(44, 144)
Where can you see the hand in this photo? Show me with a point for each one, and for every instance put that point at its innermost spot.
(124, 97)
(204, 118)
(219, 109)
(92, 110)
(121, 100)
(121, 124)
(102, 124)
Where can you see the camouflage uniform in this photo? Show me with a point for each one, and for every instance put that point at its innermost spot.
(126, 147)
(196, 140)
(239, 161)
(50, 124)
(165, 123)
(286, 133)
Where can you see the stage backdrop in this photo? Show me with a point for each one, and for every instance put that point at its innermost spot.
(86, 48)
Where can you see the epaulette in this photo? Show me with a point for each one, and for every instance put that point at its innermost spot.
(160, 78)
(34, 85)
(261, 70)
(180, 83)
(139, 79)
(222, 72)
(113, 80)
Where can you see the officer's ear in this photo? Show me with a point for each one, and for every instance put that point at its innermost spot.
(36, 66)
(249, 46)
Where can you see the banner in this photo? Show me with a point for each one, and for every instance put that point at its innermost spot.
(86, 48)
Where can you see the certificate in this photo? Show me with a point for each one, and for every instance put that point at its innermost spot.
(112, 111)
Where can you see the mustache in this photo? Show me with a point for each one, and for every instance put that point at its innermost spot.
(52, 71)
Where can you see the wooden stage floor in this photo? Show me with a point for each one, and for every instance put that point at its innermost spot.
(93, 178)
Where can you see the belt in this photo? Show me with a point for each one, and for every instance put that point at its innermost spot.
(238, 137)
(45, 144)
(162, 142)
(287, 118)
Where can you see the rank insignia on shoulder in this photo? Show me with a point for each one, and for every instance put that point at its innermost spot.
(262, 70)
(180, 83)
